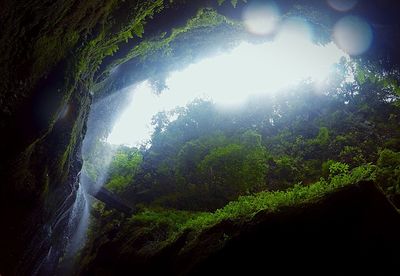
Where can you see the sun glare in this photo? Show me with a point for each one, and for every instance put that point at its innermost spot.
(230, 78)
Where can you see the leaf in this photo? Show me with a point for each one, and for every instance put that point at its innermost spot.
(361, 76)
(138, 29)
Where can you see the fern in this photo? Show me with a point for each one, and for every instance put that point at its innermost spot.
(138, 29)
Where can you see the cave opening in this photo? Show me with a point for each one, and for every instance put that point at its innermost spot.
(280, 54)
(192, 141)
(169, 136)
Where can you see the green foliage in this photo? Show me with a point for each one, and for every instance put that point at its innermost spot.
(388, 171)
(123, 168)
(234, 168)
(125, 161)
(191, 161)
(118, 183)
(138, 30)
(337, 168)
(245, 207)
(323, 136)
(387, 81)
(201, 157)
(172, 220)
(205, 165)
(205, 157)
(107, 42)
(205, 18)
(352, 155)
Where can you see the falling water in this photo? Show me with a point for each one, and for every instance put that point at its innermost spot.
(76, 229)
(54, 250)
(81, 205)
(55, 247)
(79, 214)
(78, 221)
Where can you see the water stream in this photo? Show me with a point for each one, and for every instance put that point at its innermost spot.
(76, 229)
(79, 213)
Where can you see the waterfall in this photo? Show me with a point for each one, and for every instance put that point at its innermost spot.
(76, 229)
(55, 247)
(79, 214)
(78, 221)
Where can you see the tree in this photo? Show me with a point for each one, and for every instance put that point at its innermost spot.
(237, 167)
(123, 168)
(388, 172)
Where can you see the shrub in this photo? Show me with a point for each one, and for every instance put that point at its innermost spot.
(247, 206)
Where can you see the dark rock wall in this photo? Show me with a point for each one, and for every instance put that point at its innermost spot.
(44, 106)
(351, 232)
(51, 54)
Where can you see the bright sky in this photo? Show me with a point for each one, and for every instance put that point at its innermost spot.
(230, 78)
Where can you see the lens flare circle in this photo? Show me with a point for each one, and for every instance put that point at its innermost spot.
(296, 28)
(342, 5)
(353, 35)
(261, 18)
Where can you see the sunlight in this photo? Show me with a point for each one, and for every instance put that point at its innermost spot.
(230, 78)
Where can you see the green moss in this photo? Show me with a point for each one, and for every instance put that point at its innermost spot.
(205, 18)
(68, 153)
(65, 23)
(72, 134)
(109, 40)
(49, 49)
(106, 43)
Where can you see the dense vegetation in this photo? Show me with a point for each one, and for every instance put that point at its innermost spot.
(202, 156)
(246, 207)
(205, 164)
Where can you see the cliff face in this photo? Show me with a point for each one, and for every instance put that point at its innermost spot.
(58, 57)
(51, 49)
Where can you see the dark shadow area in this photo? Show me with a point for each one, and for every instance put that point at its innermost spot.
(351, 232)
